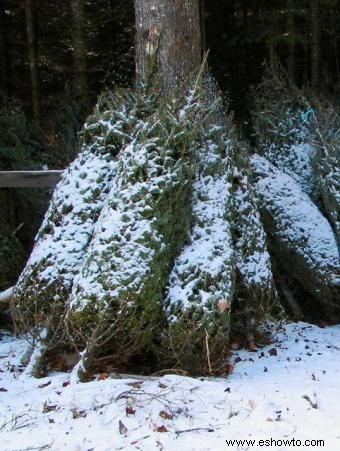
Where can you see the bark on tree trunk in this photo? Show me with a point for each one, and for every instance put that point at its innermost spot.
(32, 57)
(79, 45)
(315, 43)
(168, 40)
(203, 31)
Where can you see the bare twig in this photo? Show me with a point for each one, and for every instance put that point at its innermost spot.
(207, 349)
(194, 430)
(312, 403)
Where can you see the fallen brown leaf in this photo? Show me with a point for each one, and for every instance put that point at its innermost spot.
(252, 404)
(103, 376)
(130, 411)
(49, 407)
(77, 413)
(160, 429)
(223, 306)
(229, 368)
(166, 415)
(122, 428)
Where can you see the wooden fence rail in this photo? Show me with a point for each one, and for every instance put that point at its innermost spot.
(29, 179)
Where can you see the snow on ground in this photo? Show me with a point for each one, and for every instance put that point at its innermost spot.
(286, 390)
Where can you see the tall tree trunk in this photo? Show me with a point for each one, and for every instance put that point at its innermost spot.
(32, 57)
(79, 45)
(203, 31)
(291, 48)
(168, 40)
(315, 43)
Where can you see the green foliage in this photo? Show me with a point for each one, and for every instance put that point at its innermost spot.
(327, 161)
(12, 257)
(300, 236)
(63, 126)
(117, 301)
(300, 141)
(172, 206)
(67, 229)
(277, 112)
(21, 142)
(282, 121)
(255, 288)
(76, 204)
(21, 147)
(148, 186)
(25, 146)
(202, 278)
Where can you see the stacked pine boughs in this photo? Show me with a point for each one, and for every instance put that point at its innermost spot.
(296, 183)
(327, 162)
(201, 286)
(118, 295)
(160, 238)
(282, 120)
(61, 243)
(97, 275)
(303, 238)
(256, 292)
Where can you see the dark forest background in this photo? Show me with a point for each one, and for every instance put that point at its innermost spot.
(56, 57)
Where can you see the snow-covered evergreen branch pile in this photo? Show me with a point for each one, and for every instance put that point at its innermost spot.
(155, 242)
(118, 296)
(115, 224)
(282, 125)
(327, 162)
(202, 281)
(226, 257)
(301, 140)
(62, 241)
(302, 238)
(145, 211)
(256, 293)
(298, 183)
